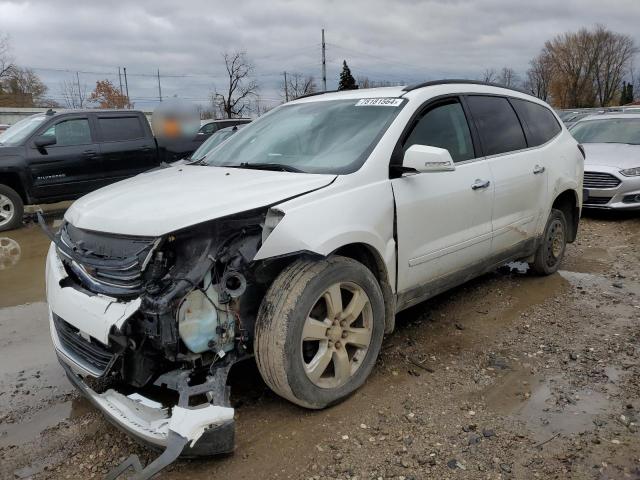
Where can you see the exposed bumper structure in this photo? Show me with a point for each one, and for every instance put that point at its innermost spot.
(207, 430)
(80, 324)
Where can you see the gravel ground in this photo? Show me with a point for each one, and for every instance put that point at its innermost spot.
(511, 376)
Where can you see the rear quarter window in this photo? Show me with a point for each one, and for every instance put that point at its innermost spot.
(540, 122)
(498, 125)
(118, 129)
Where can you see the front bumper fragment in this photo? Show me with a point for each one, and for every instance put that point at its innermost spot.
(208, 430)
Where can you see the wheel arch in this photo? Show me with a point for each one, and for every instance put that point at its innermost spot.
(13, 181)
(370, 258)
(568, 202)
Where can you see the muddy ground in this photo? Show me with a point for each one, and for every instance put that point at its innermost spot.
(509, 376)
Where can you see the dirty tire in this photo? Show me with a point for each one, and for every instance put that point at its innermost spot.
(12, 209)
(283, 314)
(553, 244)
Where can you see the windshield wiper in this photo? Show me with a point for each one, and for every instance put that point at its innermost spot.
(279, 167)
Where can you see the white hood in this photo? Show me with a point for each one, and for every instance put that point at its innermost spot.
(166, 200)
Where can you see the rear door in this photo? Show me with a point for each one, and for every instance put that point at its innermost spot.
(126, 145)
(518, 172)
(69, 168)
(443, 218)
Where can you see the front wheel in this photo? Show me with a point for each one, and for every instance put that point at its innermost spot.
(11, 209)
(553, 244)
(319, 331)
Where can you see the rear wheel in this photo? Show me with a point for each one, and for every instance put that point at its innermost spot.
(551, 250)
(319, 331)
(11, 209)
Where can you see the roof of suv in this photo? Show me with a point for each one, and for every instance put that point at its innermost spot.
(403, 90)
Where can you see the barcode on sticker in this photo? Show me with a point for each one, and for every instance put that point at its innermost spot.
(379, 102)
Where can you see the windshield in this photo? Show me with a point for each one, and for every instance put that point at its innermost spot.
(333, 136)
(17, 133)
(610, 130)
(212, 142)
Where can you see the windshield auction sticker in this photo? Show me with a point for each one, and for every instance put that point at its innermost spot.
(379, 102)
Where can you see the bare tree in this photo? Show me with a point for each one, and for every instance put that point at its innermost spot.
(74, 94)
(575, 58)
(540, 75)
(489, 75)
(241, 87)
(6, 60)
(508, 77)
(298, 85)
(613, 62)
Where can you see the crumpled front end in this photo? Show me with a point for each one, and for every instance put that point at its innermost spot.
(80, 326)
(148, 328)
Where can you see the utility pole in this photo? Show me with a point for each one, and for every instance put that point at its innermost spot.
(159, 87)
(286, 88)
(126, 85)
(120, 77)
(324, 65)
(79, 92)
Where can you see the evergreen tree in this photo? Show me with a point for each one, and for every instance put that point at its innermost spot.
(347, 82)
(623, 94)
(627, 93)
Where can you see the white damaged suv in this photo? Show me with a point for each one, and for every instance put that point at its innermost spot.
(297, 241)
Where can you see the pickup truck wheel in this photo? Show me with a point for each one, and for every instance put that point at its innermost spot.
(11, 209)
(553, 244)
(319, 331)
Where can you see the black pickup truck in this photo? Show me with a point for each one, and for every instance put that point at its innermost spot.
(57, 156)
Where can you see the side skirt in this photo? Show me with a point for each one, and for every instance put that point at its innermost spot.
(432, 288)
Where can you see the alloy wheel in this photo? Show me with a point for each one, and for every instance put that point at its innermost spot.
(7, 210)
(336, 335)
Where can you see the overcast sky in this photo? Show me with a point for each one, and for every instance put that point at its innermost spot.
(400, 41)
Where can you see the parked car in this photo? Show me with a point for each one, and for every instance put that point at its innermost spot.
(57, 156)
(575, 118)
(297, 240)
(214, 140)
(180, 148)
(612, 167)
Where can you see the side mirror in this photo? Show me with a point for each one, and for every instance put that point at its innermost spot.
(42, 141)
(422, 159)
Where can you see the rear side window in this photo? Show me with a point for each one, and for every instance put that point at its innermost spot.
(70, 132)
(117, 129)
(499, 128)
(444, 126)
(541, 124)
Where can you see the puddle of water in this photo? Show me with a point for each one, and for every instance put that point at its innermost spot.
(547, 407)
(30, 430)
(22, 263)
(550, 412)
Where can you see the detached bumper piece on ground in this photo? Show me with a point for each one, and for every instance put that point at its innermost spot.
(204, 430)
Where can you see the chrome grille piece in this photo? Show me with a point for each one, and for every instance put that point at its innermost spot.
(600, 180)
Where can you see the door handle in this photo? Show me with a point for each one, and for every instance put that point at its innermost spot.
(538, 169)
(89, 153)
(478, 184)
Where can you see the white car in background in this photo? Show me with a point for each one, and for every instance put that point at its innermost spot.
(297, 241)
(612, 167)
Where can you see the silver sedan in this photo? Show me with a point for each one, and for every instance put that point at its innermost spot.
(612, 165)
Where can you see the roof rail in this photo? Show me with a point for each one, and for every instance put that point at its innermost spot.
(446, 81)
